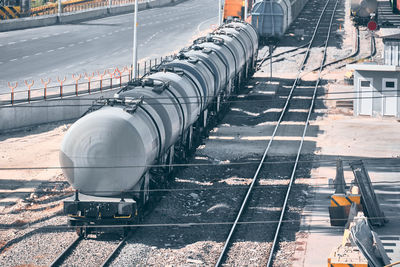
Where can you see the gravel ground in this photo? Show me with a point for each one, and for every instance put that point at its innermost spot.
(91, 252)
(36, 245)
(213, 194)
(210, 194)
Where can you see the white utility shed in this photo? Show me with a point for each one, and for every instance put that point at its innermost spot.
(376, 89)
(376, 86)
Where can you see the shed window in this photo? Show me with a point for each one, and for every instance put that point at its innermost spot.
(365, 83)
(389, 84)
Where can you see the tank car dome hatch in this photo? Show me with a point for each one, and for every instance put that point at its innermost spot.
(105, 152)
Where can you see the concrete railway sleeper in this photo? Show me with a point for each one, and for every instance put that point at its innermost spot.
(326, 13)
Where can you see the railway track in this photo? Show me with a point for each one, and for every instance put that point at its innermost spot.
(79, 249)
(326, 16)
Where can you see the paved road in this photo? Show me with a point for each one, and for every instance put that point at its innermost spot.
(99, 44)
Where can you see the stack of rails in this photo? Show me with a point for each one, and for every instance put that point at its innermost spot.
(124, 147)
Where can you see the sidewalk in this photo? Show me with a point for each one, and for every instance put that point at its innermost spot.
(348, 137)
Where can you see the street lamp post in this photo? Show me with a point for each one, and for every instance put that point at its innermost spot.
(135, 40)
(245, 9)
(59, 10)
(219, 12)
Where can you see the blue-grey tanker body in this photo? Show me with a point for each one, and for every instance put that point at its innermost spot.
(271, 18)
(124, 147)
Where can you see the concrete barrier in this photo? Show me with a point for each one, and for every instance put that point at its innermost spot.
(42, 112)
(70, 17)
(23, 23)
(83, 15)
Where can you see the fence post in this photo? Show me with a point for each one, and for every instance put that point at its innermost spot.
(130, 72)
(111, 78)
(155, 62)
(12, 87)
(145, 67)
(101, 75)
(138, 70)
(117, 71)
(29, 89)
(61, 84)
(89, 78)
(76, 78)
(45, 83)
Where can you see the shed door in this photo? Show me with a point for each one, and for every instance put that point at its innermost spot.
(365, 95)
(389, 92)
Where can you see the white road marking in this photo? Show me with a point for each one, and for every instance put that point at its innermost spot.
(70, 66)
(38, 54)
(103, 35)
(95, 38)
(35, 38)
(25, 57)
(1, 63)
(71, 45)
(11, 43)
(66, 32)
(45, 36)
(14, 59)
(80, 42)
(61, 48)
(109, 33)
(51, 50)
(23, 41)
(201, 23)
(89, 40)
(55, 34)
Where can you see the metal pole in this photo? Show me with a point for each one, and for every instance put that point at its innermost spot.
(270, 62)
(135, 37)
(219, 12)
(245, 9)
(59, 9)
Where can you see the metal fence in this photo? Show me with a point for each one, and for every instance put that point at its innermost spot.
(76, 5)
(15, 9)
(79, 84)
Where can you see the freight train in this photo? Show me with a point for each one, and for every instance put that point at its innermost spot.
(395, 6)
(363, 11)
(120, 151)
(272, 18)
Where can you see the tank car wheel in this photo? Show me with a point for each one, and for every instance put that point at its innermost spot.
(82, 231)
(126, 231)
(79, 231)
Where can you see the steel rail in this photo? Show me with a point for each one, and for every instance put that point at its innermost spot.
(254, 179)
(61, 257)
(271, 252)
(110, 257)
